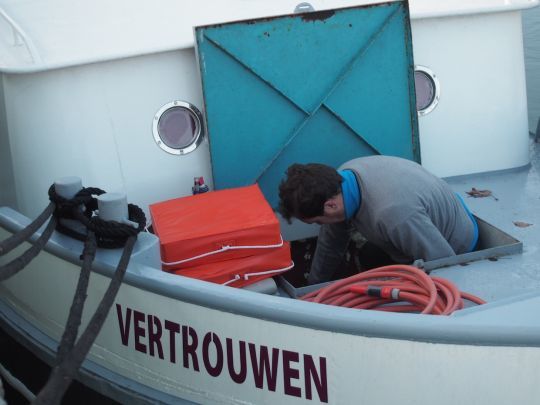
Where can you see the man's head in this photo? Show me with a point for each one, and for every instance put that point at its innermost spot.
(312, 193)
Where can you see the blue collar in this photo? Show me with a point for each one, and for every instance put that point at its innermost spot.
(352, 195)
(475, 224)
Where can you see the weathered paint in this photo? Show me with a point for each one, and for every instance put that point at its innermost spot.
(318, 87)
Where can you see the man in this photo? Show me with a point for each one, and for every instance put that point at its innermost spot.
(395, 203)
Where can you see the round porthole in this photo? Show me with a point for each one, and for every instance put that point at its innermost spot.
(427, 90)
(178, 127)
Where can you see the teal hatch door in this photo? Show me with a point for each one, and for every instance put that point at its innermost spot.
(322, 87)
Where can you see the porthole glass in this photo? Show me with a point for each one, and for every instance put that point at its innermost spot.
(427, 90)
(177, 127)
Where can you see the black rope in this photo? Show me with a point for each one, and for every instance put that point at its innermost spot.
(65, 207)
(80, 207)
(112, 234)
(75, 313)
(108, 234)
(63, 373)
(20, 262)
(16, 239)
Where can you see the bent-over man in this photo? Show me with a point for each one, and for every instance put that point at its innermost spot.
(394, 203)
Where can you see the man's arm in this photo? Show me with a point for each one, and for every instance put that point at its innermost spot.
(331, 246)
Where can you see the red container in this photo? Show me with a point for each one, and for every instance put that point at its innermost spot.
(214, 226)
(243, 271)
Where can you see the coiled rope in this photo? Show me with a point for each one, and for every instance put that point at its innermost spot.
(98, 233)
(109, 234)
(396, 288)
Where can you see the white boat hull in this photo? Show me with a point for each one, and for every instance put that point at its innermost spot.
(88, 112)
(169, 348)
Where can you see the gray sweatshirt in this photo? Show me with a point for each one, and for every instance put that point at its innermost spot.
(405, 210)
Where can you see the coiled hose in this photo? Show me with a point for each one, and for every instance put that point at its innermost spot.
(395, 288)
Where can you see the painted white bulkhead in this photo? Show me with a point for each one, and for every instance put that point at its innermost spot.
(480, 123)
(95, 121)
(71, 113)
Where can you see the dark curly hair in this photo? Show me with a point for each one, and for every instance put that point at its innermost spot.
(306, 188)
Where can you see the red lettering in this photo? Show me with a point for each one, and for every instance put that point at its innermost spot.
(240, 377)
(290, 373)
(173, 329)
(138, 317)
(263, 368)
(190, 348)
(264, 362)
(124, 324)
(154, 335)
(214, 371)
(310, 374)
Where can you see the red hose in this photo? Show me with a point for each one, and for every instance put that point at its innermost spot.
(396, 288)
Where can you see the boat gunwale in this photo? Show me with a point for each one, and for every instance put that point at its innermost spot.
(458, 329)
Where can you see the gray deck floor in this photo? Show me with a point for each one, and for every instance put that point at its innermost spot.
(517, 198)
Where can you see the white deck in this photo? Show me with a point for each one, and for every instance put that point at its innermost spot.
(518, 199)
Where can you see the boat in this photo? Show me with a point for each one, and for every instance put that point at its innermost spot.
(85, 89)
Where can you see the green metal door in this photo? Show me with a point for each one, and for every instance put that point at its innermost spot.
(322, 87)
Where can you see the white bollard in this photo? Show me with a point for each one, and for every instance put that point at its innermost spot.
(114, 207)
(67, 187)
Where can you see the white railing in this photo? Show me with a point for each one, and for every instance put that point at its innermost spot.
(20, 37)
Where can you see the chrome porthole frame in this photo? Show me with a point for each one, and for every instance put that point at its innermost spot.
(199, 127)
(436, 89)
